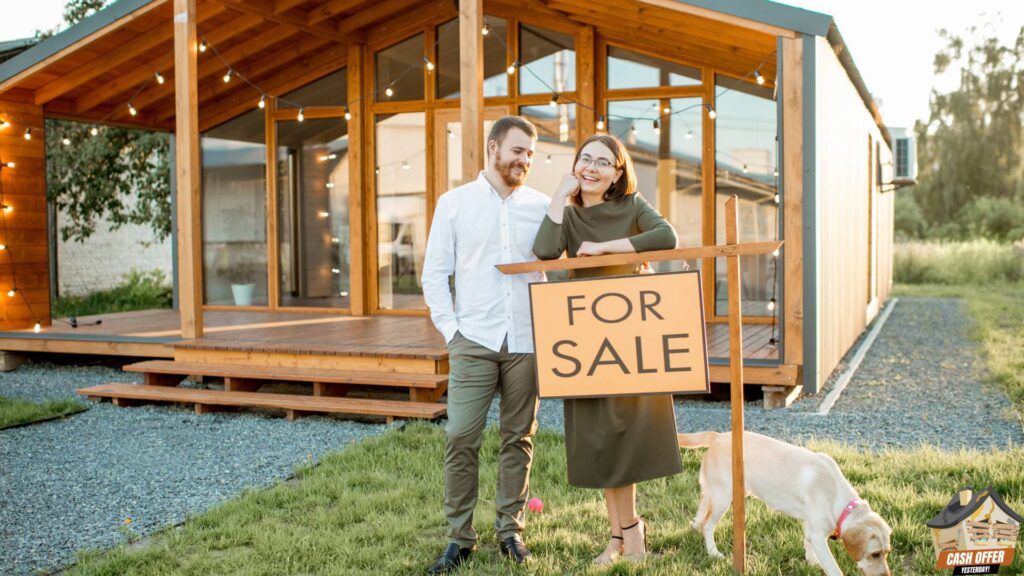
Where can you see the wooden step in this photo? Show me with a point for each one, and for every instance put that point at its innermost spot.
(295, 404)
(239, 377)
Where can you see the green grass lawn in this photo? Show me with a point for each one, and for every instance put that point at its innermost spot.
(375, 508)
(14, 412)
(997, 315)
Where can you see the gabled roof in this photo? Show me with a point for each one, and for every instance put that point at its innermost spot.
(954, 513)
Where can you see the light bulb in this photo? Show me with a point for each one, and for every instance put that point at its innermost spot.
(132, 110)
(94, 131)
(3, 247)
(263, 102)
(5, 124)
(777, 198)
(405, 166)
(632, 130)
(771, 304)
(775, 253)
(600, 122)
(28, 133)
(7, 165)
(160, 78)
(227, 75)
(430, 65)
(66, 141)
(12, 292)
(389, 92)
(335, 271)
(451, 134)
(37, 328)
(301, 116)
(689, 135)
(202, 45)
(554, 101)
(8, 208)
(711, 111)
(548, 159)
(758, 78)
(657, 127)
(511, 68)
(348, 115)
(666, 110)
(486, 29)
(323, 214)
(745, 170)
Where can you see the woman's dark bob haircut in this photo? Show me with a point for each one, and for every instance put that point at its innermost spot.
(626, 184)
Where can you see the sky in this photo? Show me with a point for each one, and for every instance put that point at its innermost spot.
(893, 42)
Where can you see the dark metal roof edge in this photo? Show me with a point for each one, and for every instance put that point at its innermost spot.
(68, 37)
(781, 15)
(835, 39)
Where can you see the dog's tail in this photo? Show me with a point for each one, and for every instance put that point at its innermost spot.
(697, 439)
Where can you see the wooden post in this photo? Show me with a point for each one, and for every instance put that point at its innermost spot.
(273, 242)
(356, 188)
(792, 94)
(585, 64)
(186, 130)
(739, 540)
(471, 83)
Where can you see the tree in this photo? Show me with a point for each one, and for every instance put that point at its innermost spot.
(119, 174)
(970, 149)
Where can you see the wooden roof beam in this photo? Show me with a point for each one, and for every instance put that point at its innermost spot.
(131, 79)
(139, 45)
(282, 6)
(677, 6)
(380, 11)
(266, 10)
(332, 8)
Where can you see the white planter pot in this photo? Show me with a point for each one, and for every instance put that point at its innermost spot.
(243, 293)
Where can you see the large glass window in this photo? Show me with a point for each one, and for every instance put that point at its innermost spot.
(234, 212)
(331, 90)
(627, 69)
(401, 175)
(495, 60)
(399, 69)
(667, 158)
(551, 58)
(313, 217)
(556, 144)
(746, 164)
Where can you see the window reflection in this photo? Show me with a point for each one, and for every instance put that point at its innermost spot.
(401, 209)
(313, 217)
(399, 68)
(331, 90)
(667, 159)
(746, 164)
(234, 212)
(628, 69)
(495, 61)
(551, 58)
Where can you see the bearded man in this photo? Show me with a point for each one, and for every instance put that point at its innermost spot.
(492, 220)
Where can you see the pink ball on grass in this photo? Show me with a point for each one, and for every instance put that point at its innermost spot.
(535, 505)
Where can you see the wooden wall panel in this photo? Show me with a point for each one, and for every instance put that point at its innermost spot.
(25, 263)
(843, 126)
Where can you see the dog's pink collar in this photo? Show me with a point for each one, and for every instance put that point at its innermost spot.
(837, 533)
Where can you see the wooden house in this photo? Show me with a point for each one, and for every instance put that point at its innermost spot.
(313, 137)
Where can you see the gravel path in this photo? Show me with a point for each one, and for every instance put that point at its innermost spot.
(71, 484)
(922, 382)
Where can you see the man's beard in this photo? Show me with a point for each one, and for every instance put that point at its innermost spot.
(508, 175)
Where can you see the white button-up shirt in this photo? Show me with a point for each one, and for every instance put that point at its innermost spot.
(473, 230)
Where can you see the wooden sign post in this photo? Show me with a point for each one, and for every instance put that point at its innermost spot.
(731, 250)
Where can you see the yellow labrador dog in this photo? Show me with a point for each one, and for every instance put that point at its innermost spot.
(805, 485)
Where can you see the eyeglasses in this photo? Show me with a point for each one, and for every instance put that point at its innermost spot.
(599, 163)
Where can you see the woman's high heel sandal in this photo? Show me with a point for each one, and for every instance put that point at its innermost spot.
(634, 541)
(611, 553)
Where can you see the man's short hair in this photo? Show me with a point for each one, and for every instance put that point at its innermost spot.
(502, 125)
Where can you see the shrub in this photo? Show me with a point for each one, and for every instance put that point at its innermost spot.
(138, 291)
(972, 262)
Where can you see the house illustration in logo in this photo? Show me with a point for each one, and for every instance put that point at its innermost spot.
(975, 521)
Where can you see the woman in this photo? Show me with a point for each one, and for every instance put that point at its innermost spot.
(611, 443)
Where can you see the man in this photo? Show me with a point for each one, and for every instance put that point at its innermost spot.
(492, 220)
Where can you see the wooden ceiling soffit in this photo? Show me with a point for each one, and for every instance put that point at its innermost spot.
(297, 18)
(670, 23)
(317, 66)
(235, 56)
(282, 6)
(375, 13)
(535, 8)
(677, 6)
(131, 79)
(411, 21)
(332, 8)
(71, 49)
(214, 89)
(139, 45)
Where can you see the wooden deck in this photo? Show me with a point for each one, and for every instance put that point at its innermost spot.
(323, 341)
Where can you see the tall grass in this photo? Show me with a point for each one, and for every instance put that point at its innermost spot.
(970, 262)
(137, 291)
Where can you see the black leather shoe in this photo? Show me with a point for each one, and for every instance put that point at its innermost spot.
(450, 559)
(514, 549)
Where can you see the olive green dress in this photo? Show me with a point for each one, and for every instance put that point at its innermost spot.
(613, 442)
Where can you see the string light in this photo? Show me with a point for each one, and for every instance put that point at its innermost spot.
(94, 131)
(548, 159)
(600, 122)
(7, 208)
(132, 110)
(66, 141)
(5, 124)
(512, 67)
(711, 111)
(430, 65)
(301, 116)
(28, 133)
(666, 110)
(389, 92)
(37, 328)
(745, 170)
(3, 247)
(160, 78)
(330, 185)
(323, 214)
(758, 78)
(771, 304)
(202, 45)
(776, 173)
(657, 127)
(12, 292)
(405, 165)
(486, 29)
(775, 253)
(263, 102)
(227, 75)
(689, 134)
(335, 271)
(348, 115)
(7, 165)
(632, 130)
(777, 198)
(554, 100)
(376, 170)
